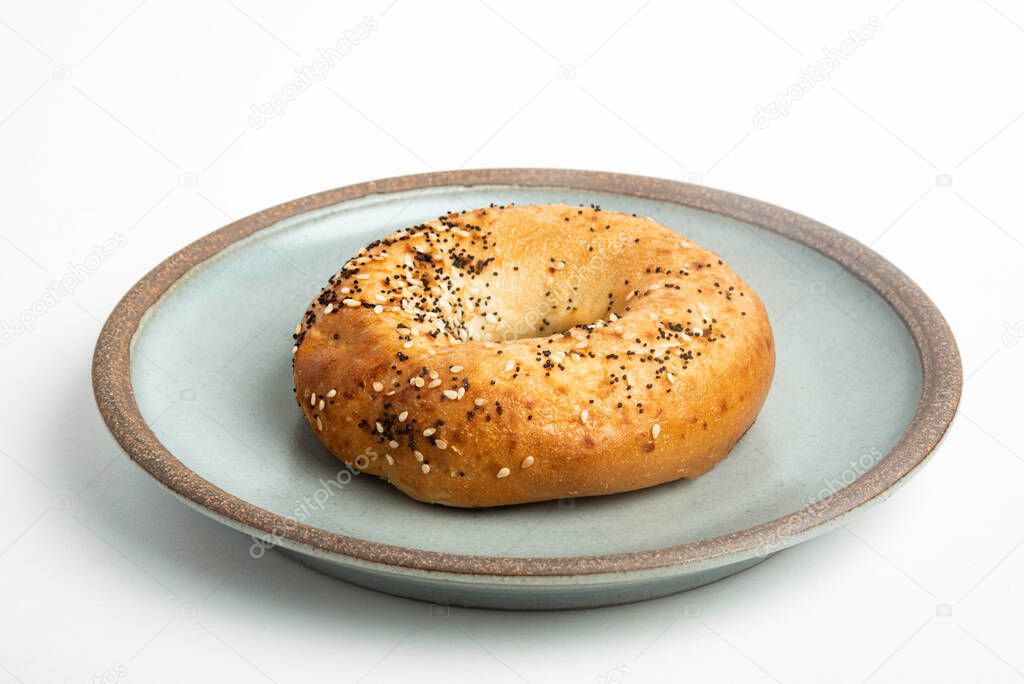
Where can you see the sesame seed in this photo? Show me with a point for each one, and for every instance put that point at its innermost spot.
(510, 365)
(378, 387)
(312, 399)
(655, 431)
(329, 308)
(418, 381)
(391, 461)
(295, 348)
(407, 344)
(320, 405)
(425, 468)
(298, 328)
(380, 428)
(527, 462)
(402, 416)
(429, 431)
(441, 444)
(393, 444)
(455, 369)
(417, 455)
(451, 394)
(377, 309)
(436, 382)
(333, 393)
(504, 472)
(319, 425)
(350, 302)
(480, 401)
(584, 414)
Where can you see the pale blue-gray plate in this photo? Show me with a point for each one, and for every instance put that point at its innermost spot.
(192, 375)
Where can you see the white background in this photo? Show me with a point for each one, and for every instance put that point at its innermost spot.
(135, 120)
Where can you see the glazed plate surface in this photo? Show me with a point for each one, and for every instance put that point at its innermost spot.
(193, 376)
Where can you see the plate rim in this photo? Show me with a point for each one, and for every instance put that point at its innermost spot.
(942, 378)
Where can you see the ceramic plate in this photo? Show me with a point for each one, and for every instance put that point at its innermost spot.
(192, 375)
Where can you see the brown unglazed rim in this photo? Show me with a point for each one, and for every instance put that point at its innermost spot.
(942, 381)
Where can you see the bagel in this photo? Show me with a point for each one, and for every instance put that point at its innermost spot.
(511, 354)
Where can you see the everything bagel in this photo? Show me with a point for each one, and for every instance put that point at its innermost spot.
(513, 354)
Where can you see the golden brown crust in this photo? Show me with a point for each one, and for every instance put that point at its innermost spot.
(515, 354)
